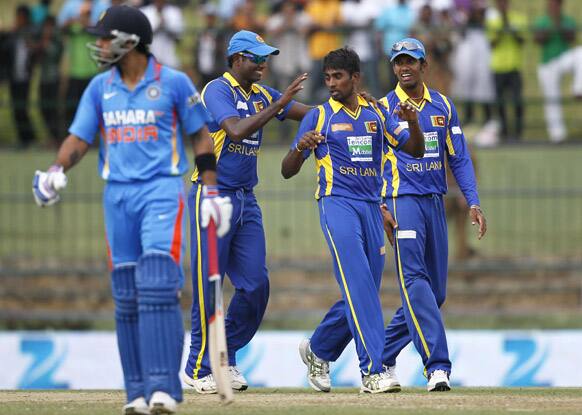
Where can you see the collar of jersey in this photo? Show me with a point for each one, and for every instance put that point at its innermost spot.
(403, 96)
(234, 83)
(336, 106)
(148, 76)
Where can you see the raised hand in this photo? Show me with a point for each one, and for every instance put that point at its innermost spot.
(292, 89)
(406, 112)
(46, 185)
(215, 207)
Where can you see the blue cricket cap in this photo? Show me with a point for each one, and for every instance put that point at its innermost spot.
(408, 46)
(250, 42)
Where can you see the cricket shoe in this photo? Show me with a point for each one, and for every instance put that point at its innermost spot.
(162, 404)
(438, 381)
(237, 379)
(138, 406)
(317, 369)
(205, 385)
(390, 375)
(375, 383)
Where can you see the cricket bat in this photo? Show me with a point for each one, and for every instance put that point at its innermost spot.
(217, 334)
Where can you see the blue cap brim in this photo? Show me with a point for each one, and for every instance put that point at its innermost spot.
(264, 50)
(416, 54)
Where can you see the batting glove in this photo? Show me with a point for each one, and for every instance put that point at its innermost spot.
(46, 185)
(215, 207)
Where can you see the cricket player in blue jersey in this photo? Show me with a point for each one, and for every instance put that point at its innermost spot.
(140, 108)
(414, 192)
(239, 107)
(347, 136)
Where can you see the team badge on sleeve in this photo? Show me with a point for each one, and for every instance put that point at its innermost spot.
(371, 127)
(153, 92)
(437, 120)
(194, 99)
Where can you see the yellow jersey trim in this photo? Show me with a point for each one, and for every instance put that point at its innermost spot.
(218, 137)
(234, 83)
(391, 157)
(200, 282)
(318, 128)
(449, 140)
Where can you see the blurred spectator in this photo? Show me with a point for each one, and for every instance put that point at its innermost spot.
(39, 12)
(168, 24)
(506, 32)
(74, 18)
(555, 32)
(227, 8)
(48, 54)
(287, 29)
(19, 48)
(394, 23)
(325, 17)
(210, 48)
(434, 32)
(470, 62)
(246, 17)
(358, 16)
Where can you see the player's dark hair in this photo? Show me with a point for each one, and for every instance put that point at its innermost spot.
(343, 59)
(230, 60)
(143, 49)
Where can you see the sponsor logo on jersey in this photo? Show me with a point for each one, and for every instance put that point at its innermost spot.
(431, 144)
(437, 120)
(259, 106)
(109, 95)
(342, 126)
(456, 130)
(360, 147)
(242, 106)
(371, 127)
(129, 117)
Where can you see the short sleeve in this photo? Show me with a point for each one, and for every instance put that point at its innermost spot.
(220, 101)
(191, 111)
(308, 123)
(88, 116)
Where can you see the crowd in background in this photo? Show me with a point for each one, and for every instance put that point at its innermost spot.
(475, 50)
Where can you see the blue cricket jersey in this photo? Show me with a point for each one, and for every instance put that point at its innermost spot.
(406, 175)
(141, 130)
(236, 161)
(349, 161)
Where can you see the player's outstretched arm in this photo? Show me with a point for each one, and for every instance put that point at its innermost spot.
(46, 185)
(291, 164)
(239, 128)
(415, 145)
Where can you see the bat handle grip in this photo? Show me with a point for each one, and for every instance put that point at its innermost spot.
(212, 251)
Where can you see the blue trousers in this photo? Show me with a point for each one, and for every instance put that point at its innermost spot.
(421, 255)
(242, 256)
(353, 230)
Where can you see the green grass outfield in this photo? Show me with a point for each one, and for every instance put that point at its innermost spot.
(283, 401)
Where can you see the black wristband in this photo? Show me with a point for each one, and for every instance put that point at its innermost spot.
(206, 161)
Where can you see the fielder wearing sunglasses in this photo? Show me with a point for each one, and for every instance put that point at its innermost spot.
(256, 59)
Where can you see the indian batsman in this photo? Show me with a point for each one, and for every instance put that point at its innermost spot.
(140, 108)
(414, 192)
(239, 107)
(347, 136)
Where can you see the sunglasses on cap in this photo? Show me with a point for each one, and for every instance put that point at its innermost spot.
(256, 59)
(398, 46)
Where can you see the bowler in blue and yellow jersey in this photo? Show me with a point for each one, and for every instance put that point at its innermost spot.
(413, 192)
(347, 136)
(239, 107)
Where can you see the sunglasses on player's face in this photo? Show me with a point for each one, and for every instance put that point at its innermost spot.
(398, 46)
(256, 59)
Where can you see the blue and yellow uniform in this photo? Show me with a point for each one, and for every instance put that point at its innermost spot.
(242, 252)
(142, 158)
(349, 165)
(414, 190)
